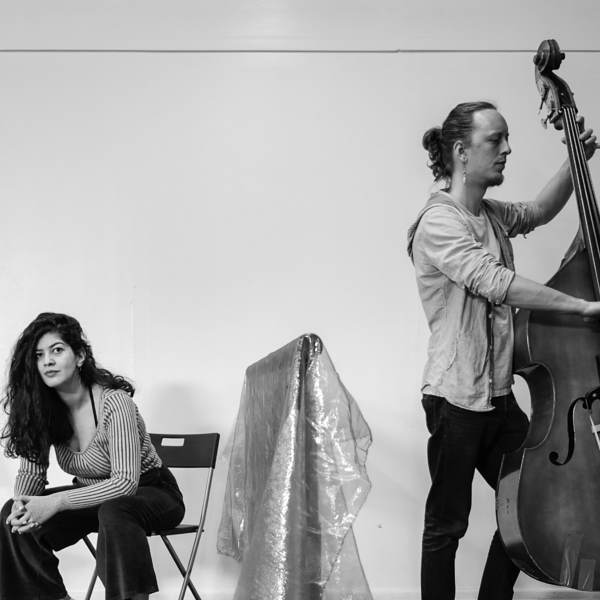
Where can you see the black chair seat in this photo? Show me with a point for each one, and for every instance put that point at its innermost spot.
(182, 528)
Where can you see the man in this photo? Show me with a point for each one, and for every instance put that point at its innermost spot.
(465, 274)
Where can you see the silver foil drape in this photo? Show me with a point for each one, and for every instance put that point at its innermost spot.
(296, 481)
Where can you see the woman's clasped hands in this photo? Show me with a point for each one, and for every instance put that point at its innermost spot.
(21, 519)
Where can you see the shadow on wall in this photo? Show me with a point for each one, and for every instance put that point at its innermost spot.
(177, 408)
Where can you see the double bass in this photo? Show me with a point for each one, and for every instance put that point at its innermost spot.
(548, 495)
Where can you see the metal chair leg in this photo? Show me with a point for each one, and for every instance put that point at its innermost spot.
(187, 582)
(92, 584)
(95, 574)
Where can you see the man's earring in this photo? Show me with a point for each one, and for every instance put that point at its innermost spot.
(464, 174)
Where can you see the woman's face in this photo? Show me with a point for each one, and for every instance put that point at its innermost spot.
(57, 363)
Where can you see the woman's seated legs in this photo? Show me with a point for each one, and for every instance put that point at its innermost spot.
(123, 556)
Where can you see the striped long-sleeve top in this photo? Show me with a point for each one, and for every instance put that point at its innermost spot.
(110, 466)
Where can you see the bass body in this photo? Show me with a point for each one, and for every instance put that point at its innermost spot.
(549, 514)
(548, 495)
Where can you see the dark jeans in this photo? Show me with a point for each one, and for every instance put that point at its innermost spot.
(29, 567)
(461, 442)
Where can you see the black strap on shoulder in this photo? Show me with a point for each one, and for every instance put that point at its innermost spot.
(93, 406)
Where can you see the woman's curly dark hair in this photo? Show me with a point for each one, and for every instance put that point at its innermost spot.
(37, 417)
(439, 141)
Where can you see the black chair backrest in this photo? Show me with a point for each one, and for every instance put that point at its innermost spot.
(197, 450)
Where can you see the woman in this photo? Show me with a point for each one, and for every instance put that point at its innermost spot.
(58, 396)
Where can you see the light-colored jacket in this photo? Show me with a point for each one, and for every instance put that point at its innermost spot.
(459, 282)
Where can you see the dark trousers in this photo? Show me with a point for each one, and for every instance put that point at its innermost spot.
(461, 442)
(29, 567)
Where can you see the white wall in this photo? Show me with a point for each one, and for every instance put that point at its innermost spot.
(198, 210)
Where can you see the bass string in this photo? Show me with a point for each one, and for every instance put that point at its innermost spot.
(584, 190)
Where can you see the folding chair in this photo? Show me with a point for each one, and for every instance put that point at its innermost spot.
(196, 451)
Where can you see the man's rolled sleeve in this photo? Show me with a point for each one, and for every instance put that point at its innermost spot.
(500, 285)
(451, 248)
(520, 218)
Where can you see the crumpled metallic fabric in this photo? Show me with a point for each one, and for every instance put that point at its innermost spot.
(296, 481)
